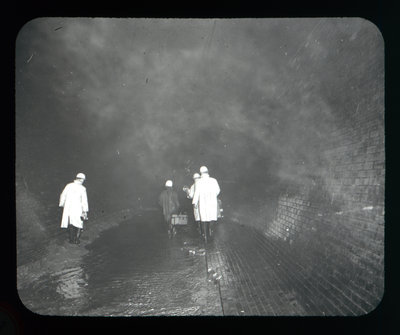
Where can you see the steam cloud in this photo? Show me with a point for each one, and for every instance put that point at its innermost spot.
(133, 102)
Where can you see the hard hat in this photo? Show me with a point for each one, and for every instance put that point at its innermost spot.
(203, 169)
(196, 175)
(80, 176)
(168, 183)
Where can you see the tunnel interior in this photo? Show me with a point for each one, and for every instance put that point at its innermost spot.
(133, 106)
(269, 106)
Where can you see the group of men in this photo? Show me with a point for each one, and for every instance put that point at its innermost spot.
(204, 195)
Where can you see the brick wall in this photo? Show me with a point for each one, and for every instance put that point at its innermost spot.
(333, 221)
(334, 224)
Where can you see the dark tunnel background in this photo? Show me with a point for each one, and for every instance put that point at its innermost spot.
(132, 103)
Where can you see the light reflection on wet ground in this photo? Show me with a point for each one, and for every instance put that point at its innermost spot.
(71, 283)
(133, 269)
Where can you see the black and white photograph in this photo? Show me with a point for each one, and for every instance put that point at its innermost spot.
(200, 166)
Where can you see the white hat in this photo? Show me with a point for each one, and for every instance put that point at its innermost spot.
(168, 183)
(80, 176)
(196, 175)
(203, 169)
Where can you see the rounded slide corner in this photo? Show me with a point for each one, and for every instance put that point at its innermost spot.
(26, 305)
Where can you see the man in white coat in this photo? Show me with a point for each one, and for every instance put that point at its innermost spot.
(205, 199)
(190, 194)
(74, 200)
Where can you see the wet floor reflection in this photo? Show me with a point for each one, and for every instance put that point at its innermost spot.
(61, 293)
(131, 270)
(146, 273)
(135, 269)
(71, 283)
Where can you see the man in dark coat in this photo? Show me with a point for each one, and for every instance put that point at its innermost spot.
(169, 202)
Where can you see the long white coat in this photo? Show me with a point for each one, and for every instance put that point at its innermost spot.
(205, 197)
(190, 196)
(74, 200)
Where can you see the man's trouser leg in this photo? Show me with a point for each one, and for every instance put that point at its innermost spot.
(71, 233)
(78, 235)
(169, 227)
(202, 228)
(206, 227)
(208, 231)
(198, 226)
(212, 227)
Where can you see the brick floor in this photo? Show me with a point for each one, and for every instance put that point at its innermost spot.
(255, 278)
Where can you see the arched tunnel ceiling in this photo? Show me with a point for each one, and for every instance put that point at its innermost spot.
(133, 102)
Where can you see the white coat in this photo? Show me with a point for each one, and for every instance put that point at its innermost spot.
(74, 200)
(190, 196)
(205, 197)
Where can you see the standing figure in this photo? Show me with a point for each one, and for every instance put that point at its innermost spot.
(190, 194)
(169, 202)
(205, 199)
(74, 200)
